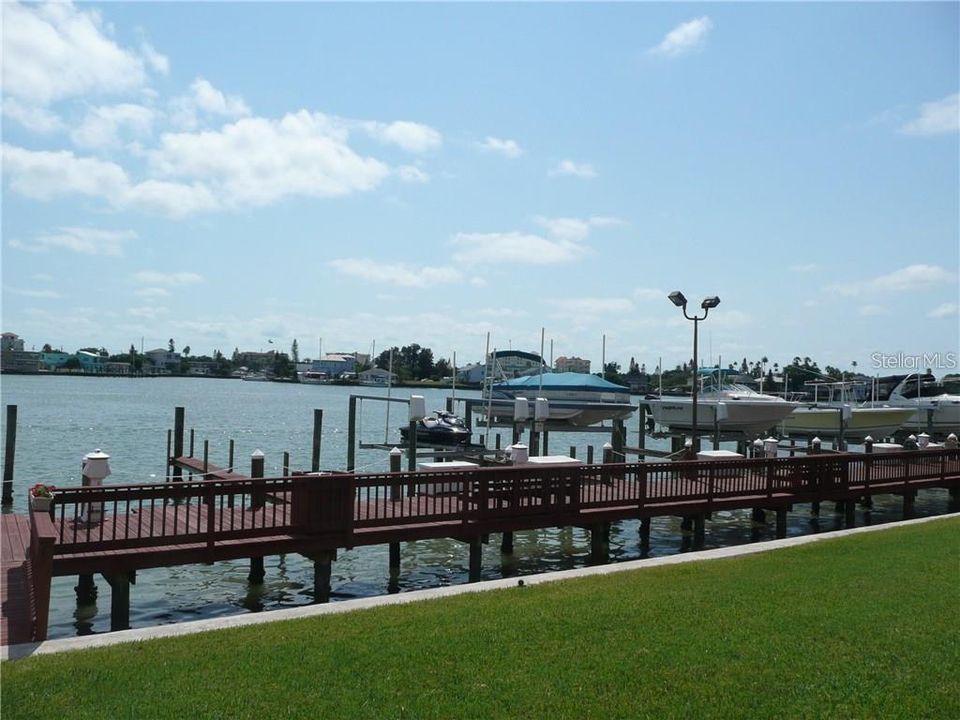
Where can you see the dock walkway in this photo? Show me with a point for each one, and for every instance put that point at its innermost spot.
(226, 516)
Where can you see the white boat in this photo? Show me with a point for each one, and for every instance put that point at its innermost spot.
(254, 377)
(840, 410)
(933, 407)
(312, 377)
(576, 399)
(742, 410)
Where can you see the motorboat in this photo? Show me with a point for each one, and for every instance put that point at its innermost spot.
(731, 407)
(934, 409)
(254, 377)
(441, 428)
(312, 377)
(578, 399)
(840, 411)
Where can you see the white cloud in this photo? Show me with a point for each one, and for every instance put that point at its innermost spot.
(649, 294)
(54, 51)
(912, 277)
(410, 136)
(399, 274)
(507, 148)
(684, 38)
(43, 175)
(34, 118)
(159, 63)
(153, 277)
(102, 125)
(411, 173)
(574, 229)
(257, 161)
(513, 247)
(152, 292)
(37, 294)
(936, 118)
(945, 310)
(147, 312)
(592, 305)
(572, 169)
(87, 241)
(204, 98)
(170, 199)
(872, 310)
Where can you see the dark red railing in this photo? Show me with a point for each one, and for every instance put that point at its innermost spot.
(341, 505)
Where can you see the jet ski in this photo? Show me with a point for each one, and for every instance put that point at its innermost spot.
(441, 428)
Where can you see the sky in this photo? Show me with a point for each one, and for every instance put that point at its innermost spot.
(240, 175)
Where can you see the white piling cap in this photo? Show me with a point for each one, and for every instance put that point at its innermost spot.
(608, 445)
(396, 451)
(258, 453)
(868, 439)
(418, 408)
(758, 443)
(541, 409)
(521, 409)
(95, 465)
(816, 441)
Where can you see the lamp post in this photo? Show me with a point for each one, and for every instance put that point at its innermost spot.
(678, 299)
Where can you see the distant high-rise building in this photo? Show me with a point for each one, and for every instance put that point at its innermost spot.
(571, 364)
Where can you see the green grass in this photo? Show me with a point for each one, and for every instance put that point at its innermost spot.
(858, 627)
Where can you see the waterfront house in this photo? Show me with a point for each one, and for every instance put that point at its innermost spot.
(161, 361)
(571, 364)
(376, 376)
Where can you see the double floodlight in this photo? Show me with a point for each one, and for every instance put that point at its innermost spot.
(678, 299)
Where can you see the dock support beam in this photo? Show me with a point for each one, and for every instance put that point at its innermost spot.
(119, 600)
(699, 530)
(394, 559)
(599, 543)
(644, 533)
(506, 543)
(86, 590)
(781, 522)
(850, 513)
(257, 573)
(909, 498)
(322, 570)
(476, 548)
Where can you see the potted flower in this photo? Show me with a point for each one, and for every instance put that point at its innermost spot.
(41, 497)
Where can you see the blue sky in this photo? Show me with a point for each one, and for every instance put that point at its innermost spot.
(230, 174)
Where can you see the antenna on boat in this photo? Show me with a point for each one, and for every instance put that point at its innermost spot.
(453, 393)
(603, 358)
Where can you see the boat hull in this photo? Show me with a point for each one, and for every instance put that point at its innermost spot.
(875, 422)
(944, 420)
(743, 416)
(577, 413)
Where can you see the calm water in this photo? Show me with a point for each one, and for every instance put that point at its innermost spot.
(62, 418)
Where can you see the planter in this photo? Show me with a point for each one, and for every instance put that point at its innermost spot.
(41, 504)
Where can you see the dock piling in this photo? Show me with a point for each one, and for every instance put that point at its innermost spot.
(317, 429)
(506, 543)
(10, 449)
(119, 601)
(476, 548)
(644, 533)
(322, 570)
(178, 421)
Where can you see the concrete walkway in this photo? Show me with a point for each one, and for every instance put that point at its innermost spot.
(188, 628)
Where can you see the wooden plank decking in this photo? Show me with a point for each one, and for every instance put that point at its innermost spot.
(16, 618)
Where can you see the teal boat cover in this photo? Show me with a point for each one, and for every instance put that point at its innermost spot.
(562, 381)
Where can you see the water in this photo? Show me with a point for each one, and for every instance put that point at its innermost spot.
(60, 419)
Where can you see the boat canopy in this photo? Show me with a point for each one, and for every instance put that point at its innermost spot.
(565, 381)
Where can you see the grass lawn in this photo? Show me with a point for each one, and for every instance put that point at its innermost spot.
(858, 627)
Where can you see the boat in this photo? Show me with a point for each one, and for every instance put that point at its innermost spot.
(934, 409)
(839, 410)
(442, 428)
(578, 399)
(254, 377)
(742, 410)
(313, 377)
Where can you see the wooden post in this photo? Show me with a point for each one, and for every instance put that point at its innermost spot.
(534, 443)
(322, 570)
(86, 590)
(257, 573)
(352, 434)
(412, 446)
(589, 454)
(394, 560)
(476, 547)
(230, 456)
(317, 430)
(506, 542)
(166, 477)
(119, 601)
(206, 457)
(258, 496)
(645, 533)
(793, 445)
(781, 522)
(546, 442)
(191, 442)
(759, 517)
(598, 544)
(573, 451)
(909, 497)
(716, 429)
(850, 513)
(699, 530)
(642, 431)
(396, 455)
(10, 449)
(286, 464)
(496, 441)
(617, 440)
(178, 417)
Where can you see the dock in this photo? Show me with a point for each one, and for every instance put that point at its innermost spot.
(220, 515)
